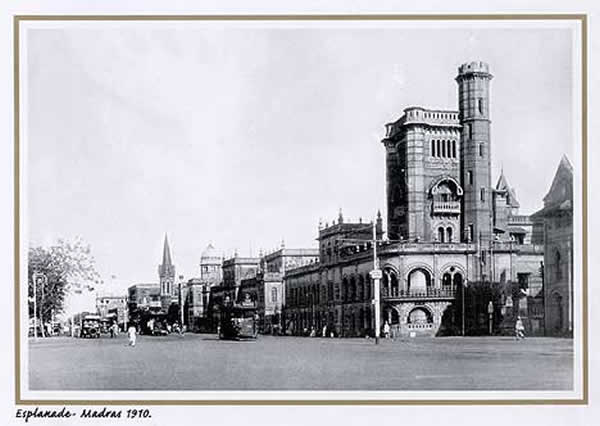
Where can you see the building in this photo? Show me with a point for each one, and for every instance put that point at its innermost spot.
(453, 240)
(199, 289)
(166, 275)
(266, 287)
(557, 217)
(113, 308)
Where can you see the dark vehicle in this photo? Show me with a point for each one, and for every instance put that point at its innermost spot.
(90, 326)
(238, 321)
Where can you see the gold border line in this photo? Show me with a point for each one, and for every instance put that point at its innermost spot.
(581, 17)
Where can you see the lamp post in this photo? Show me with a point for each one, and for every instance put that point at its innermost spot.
(376, 275)
(181, 302)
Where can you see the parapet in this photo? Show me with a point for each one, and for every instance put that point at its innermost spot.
(474, 67)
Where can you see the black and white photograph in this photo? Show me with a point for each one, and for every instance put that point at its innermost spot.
(315, 209)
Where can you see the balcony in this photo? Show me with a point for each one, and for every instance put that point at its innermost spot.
(446, 207)
(430, 293)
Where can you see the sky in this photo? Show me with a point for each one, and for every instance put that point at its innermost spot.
(244, 137)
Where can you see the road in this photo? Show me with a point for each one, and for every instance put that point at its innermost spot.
(201, 362)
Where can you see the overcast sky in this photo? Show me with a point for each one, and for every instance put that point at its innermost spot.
(245, 137)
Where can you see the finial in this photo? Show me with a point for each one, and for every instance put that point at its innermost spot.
(360, 220)
(320, 223)
(378, 214)
(282, 243)
(340, 216)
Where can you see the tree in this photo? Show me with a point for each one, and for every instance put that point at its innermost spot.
(67, 267)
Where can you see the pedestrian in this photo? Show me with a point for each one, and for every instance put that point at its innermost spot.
(112, 330)
(132, 332)
(519, 329)
(325, 330)
(386, 330)
(313, 332)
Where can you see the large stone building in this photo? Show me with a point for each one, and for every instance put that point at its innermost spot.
(451, 236)
(112, 308)
(266, 287)
(557, 216)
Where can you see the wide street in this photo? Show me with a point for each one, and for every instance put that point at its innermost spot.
(201, 362)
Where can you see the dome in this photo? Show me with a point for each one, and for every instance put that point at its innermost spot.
(209, 254)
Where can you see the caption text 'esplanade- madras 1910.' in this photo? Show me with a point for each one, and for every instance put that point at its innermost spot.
(458, 258)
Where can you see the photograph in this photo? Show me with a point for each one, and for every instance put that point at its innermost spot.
(344, 209)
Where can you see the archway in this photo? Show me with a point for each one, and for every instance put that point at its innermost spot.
(419, 281)
(419, 315)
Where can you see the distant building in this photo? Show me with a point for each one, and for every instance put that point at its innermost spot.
(450, 234)
(113, 308)
(199, 289)
(266, 287)
(166, 275)
(557, 216)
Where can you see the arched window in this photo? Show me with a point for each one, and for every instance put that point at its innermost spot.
(480, 105)
(441, 234)
(447, 280)
(449, 233)
(432, 148)
(438, 149)
(453, 149)
(444, 149)
(419, 281)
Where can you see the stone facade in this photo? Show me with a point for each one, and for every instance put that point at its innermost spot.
(557, 216)
(451, 235)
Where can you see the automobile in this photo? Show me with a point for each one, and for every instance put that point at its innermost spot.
(90, 327)
(238, 321)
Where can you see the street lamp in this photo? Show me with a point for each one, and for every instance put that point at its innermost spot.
(376, 275)
(181, 302)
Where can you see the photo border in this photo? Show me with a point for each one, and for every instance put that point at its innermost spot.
(581, 18)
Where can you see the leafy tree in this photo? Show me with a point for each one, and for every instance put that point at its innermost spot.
(65, 267)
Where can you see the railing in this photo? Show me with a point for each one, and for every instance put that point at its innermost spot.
(452, 207)
(430, 293)
(420, 326)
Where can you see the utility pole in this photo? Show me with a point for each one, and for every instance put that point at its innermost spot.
(376, 275)
(181, 302)
(34, 305)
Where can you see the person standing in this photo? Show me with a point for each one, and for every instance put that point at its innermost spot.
(386, 330)
(519, 329)
(132, 332)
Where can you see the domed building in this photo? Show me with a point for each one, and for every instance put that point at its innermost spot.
(210, 265)
(198, 295)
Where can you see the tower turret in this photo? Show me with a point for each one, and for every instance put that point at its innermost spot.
(475, 156)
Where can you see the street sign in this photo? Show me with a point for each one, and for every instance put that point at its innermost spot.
(490, 308)
(376, 274)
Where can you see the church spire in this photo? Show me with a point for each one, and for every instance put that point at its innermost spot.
(166, 259)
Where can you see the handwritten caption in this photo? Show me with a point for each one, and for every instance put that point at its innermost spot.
(85, 413)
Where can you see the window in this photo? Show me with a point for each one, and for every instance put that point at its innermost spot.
(470, 131)
(470, 177)
(481, 150)
(557, 266)
(274, 295)
(444, 149)
(480, 105)
(470, 233)
(453, 149)
(482, 194)
(432, 148)
(449, 234)
(441, 234)
(438, 150)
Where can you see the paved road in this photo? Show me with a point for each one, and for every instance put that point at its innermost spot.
(201, 362)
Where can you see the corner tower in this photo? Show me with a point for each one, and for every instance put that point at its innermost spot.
(475, 156)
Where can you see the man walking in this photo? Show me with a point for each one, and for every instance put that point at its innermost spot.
(519, 329)
(132, 332)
